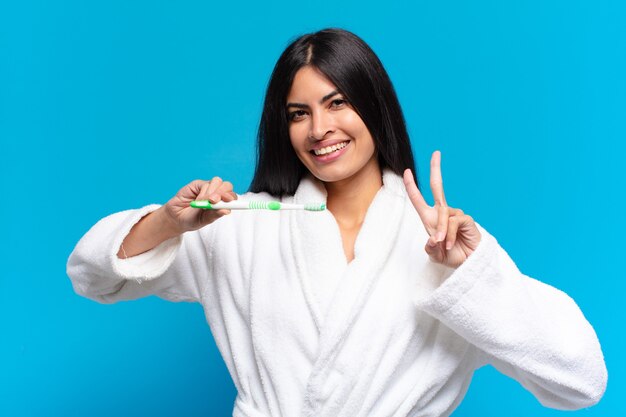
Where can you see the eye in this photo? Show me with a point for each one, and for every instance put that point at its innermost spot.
(297, 115)
(338, 102)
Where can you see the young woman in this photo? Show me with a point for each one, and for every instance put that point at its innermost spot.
(380, 306)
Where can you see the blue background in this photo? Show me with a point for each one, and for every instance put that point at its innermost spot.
(111, 105)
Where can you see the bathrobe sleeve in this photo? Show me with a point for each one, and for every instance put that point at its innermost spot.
(528, 330)
(172, 270)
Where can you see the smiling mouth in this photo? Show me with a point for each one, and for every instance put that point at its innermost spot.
(329, 149)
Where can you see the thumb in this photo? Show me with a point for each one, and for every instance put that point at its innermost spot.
(434, 252)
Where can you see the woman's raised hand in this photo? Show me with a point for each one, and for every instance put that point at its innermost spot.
(185, 218)
(453, 234)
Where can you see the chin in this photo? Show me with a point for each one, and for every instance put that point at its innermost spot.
(338, 171)
(331, 175)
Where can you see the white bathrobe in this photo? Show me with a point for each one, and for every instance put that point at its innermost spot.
(304, 333)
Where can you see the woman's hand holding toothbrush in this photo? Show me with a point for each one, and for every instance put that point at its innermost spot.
(186, 218)
(177, 217)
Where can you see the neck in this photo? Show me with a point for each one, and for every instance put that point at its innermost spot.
(349, 199)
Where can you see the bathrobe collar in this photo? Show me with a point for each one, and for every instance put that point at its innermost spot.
(318, 248)
(335, 290)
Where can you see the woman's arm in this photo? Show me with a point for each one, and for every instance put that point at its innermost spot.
(122, 256)
(527, 329)
(166, 270)
(152, 230)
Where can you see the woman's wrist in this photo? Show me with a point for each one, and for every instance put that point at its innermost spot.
(167, 226)
(149, 232)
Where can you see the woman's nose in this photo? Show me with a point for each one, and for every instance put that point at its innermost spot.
(322, 123)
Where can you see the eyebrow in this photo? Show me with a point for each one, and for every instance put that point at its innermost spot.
(304, 106)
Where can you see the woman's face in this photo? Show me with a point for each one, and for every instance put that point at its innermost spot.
(327, 134)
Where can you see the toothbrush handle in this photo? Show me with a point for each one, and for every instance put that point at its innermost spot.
(231, 205)
(255, 205)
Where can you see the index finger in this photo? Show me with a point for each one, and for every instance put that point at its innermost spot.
(436, 182)
(414, 193)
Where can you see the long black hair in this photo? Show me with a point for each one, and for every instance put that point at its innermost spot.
(359, 75)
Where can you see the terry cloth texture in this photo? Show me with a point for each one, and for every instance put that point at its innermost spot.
(304, 333)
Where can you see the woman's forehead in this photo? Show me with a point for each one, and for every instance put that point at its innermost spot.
(310, 84)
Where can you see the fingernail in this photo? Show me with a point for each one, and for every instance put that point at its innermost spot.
(213, 198)
(448, 245)
(440, 236)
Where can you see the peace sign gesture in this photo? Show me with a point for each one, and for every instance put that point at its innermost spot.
(453, 234)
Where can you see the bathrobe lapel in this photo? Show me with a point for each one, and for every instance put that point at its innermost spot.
(337, 291)
(318, 250)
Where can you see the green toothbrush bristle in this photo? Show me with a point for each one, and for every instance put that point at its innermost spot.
(315, 207)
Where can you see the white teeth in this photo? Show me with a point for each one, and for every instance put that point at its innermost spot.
(329, 149)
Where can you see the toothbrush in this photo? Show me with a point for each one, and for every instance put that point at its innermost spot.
(255, 205)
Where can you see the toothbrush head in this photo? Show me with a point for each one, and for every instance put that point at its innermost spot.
(315, 207)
